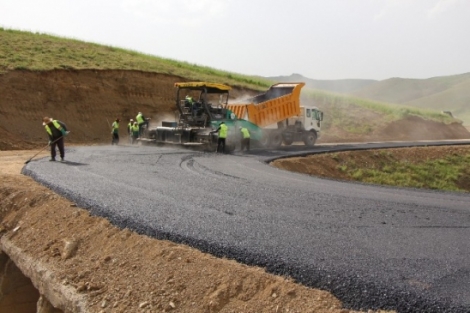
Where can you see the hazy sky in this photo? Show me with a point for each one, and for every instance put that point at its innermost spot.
(320, 39)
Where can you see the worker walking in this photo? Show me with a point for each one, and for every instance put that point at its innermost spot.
(222, 130)
(141, 121)
(245, 141)
(56, 130)
(115, 132)
(134, 132)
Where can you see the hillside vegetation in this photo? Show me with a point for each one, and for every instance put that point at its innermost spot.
(21, 50)
(446, 93)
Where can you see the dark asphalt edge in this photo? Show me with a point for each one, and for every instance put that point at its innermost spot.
(365, 146)
(356, 293)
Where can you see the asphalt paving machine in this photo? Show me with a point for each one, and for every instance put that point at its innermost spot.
(202, 106)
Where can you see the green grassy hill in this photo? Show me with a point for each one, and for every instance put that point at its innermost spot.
(21, 50)
(446, 93)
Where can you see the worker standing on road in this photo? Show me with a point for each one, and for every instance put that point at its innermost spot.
(141, 121)
(222, 130)
(134, 132)
(56, 130)
(115, 132)
(245, 141)
(129, 130)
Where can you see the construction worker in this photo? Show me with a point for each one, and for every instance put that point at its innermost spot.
(134, 132)
(191, 105)
(141, 121)
(189, 101)
(129, 130)
(115, 131)
(56, 130)
(222, 130)
(245, 141)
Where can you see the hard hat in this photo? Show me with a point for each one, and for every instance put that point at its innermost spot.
(132, 120)
(140, 112)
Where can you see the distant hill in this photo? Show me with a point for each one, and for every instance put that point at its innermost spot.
(338, 86)
(444, 93)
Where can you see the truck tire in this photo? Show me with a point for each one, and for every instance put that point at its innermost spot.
(275, 140)
(309, 138)
(287, 138)
(264, 140)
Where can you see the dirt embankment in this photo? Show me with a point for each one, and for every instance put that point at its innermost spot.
(88, 100)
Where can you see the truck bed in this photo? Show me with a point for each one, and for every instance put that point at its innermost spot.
(280, 102)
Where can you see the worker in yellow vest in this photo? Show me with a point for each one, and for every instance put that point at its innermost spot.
(56, 130)
(222, 130)
(115, 132)
(134, 132)
(245, 141)
(129, 130)
(141, 121)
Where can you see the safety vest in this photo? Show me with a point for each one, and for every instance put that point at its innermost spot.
(189, 99)
(139, 118)
(135, 128)
(223, 131)
(56, 124)
(115, 127)
(245, 132)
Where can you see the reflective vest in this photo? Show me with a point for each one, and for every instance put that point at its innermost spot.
(139, 118)
(189, 99)
(56, 124)
(135, 128)
(245, 132)
(115, 127)
(223, 131)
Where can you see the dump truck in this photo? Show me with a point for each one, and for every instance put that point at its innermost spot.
(273, 118)
(279, 113)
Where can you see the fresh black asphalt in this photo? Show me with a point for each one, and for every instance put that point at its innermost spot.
(373, 247)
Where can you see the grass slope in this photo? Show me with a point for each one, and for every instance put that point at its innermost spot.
(446, 93)
(455, 99)
(34, 51)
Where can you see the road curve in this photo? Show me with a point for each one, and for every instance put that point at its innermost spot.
(373, 247)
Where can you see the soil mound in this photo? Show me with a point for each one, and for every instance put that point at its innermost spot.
(89, 100)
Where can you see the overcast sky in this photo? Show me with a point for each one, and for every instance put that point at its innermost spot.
(320, 39)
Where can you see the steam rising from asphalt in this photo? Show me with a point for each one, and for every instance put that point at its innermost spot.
(158, 119)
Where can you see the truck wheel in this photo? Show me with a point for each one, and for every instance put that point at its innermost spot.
(264, 141)
(275, 140)
(309, 138)
(287, 139)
